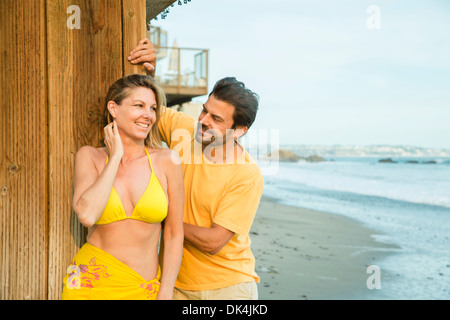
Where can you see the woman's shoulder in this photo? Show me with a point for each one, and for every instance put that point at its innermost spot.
(165, 158)
(95, 154)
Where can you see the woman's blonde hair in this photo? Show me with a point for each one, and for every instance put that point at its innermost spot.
(120, 90)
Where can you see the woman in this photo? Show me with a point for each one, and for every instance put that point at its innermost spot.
(123, 193)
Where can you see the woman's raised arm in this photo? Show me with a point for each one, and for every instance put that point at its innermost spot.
(91, 191)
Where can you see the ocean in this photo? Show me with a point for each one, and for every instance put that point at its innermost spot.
(405, 199)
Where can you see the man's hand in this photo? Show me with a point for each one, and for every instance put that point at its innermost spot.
(144, 53)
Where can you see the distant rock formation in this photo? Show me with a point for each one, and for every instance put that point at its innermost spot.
(314, 158)
(387, 160)
(289, 156)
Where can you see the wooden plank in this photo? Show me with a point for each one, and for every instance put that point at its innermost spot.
(23, 150)
(134, 12)
(83, 63)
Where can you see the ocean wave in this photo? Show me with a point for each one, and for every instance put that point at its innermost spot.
(366, 151)
(425, 184)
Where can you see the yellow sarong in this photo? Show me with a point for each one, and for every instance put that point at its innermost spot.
(95, 274)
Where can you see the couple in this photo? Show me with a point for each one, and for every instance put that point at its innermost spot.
(133, 191)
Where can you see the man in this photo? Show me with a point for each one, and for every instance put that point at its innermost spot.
(223, 189)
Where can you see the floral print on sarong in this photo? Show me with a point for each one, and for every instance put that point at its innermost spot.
(85, 275)
(151, 287)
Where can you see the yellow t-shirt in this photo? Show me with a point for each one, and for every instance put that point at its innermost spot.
(226, 194)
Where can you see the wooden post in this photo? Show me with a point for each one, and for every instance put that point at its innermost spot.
(23, 151)
(134, 29)
(83, 63)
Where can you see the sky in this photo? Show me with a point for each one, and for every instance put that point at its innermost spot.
(347, 72)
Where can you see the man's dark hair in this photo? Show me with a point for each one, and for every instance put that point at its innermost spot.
(243, 99)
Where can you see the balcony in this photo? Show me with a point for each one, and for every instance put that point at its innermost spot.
(182, 73)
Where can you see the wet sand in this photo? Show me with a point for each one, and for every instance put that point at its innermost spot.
(305, 254)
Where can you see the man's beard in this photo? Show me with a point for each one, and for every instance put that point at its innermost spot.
(212, 137)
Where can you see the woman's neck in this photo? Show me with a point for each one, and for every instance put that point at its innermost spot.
(132, 150)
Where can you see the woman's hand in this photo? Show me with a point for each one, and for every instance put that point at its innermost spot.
(112, 140)
(144, 53)
(164, 295)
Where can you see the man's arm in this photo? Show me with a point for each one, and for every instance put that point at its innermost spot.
(144, 53)
(209, 240)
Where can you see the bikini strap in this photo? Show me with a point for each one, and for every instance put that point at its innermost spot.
(149, 160)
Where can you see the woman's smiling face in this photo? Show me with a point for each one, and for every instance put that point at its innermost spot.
(136, 114)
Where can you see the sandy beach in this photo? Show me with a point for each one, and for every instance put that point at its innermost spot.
(305, 254)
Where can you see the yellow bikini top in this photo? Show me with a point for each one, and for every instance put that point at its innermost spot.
(151, 207)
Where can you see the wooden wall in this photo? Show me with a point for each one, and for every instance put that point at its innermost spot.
(24, 149)
(53, 82)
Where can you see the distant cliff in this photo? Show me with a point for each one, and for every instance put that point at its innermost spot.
(289, 156)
